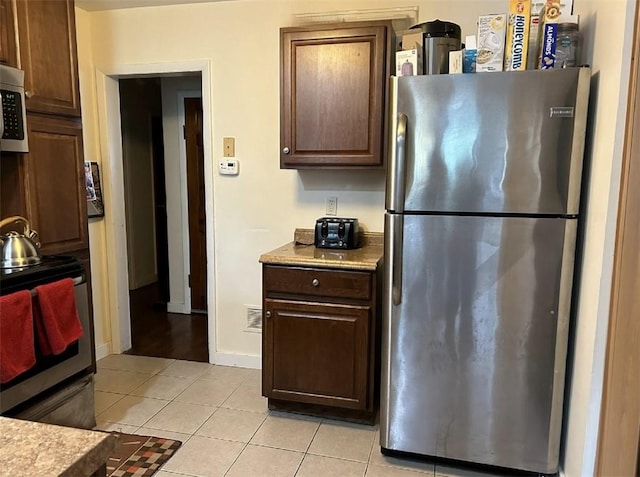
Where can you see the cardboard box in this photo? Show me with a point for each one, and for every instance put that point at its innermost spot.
(566, 6)
(548, 37)
(470, 54)
(409, 62)
(456, 59)
(491, 37)
(412, 39)
(518, 21)
(548, 34)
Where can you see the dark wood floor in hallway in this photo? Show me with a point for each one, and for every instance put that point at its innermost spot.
(154, 332)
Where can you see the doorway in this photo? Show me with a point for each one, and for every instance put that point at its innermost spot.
(162, 321)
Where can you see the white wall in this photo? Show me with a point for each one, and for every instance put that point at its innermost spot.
(259, 209)
(607, 50)
(175, 172)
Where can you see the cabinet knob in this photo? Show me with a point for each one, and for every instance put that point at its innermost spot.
(315, 282)
(28, 94)
(268, 314)
(286, 150)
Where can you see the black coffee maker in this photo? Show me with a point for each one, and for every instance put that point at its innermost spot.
(438, 39)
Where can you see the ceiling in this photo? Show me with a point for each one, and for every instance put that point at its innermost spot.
(96, 5)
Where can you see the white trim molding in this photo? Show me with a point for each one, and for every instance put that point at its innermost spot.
(107, 90)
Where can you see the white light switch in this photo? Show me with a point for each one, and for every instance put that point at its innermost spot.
(228, 167)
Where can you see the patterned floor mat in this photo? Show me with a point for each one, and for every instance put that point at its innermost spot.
(139, 456)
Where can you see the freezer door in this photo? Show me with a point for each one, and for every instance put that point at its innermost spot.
(488, 143)
(475, 340)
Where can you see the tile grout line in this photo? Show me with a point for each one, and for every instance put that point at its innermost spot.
(306, 452)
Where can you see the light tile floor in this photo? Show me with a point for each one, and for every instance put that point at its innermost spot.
(226, 429)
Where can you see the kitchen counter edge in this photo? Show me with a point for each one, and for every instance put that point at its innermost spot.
(301, 252)
(33, 448)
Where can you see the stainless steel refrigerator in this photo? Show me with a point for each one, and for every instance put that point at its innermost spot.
(482, 206)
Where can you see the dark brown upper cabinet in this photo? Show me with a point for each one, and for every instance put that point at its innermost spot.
(47, 39)
(333, 82)
(47, 184)
(7, 34)
(53, 172)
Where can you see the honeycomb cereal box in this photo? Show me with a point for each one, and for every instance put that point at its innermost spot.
(518, 20)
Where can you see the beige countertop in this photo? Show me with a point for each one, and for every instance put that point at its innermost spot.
(32, 448)
(302, 252)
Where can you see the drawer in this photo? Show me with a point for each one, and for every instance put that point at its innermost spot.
(317, 282)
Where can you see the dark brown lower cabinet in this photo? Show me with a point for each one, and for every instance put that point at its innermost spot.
(320, 345)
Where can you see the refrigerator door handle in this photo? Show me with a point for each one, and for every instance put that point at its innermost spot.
(398, 165)
(397, 227)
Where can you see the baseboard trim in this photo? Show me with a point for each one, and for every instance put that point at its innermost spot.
(103, 351)
(222, 359)
(173, 307)
(238, 360)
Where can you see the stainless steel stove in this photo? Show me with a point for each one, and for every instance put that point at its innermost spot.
(59, 388)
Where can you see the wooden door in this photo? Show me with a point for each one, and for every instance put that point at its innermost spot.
(46, 31)
(53, 172)
(316, 353)
(333, 82)
(8, 53)
(619, 437)
(197, 216)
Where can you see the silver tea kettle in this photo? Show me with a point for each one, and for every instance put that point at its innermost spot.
(19, 249)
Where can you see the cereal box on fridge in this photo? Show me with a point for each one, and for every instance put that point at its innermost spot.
(515, 58)
(536, 8)
(548, 34)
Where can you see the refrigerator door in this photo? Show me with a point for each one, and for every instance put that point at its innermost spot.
(488, 143)
(474, 342)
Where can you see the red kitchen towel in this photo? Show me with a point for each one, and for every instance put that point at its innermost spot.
(58, 324)
(17, 352)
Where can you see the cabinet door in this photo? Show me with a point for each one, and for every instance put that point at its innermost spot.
(333, 84)
(8, 54)
(316, 353)
(47, 35)
(55, 193)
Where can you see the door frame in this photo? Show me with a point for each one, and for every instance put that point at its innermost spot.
(107, 89)
(621, 394)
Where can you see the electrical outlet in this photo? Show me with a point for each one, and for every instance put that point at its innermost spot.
(332, 206)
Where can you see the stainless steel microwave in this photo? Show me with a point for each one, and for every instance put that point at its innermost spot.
(13, 122)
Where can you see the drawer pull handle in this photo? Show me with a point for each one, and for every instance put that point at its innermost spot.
(268, 314)
(315, 282)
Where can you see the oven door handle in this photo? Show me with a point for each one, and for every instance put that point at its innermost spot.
(76, 281)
